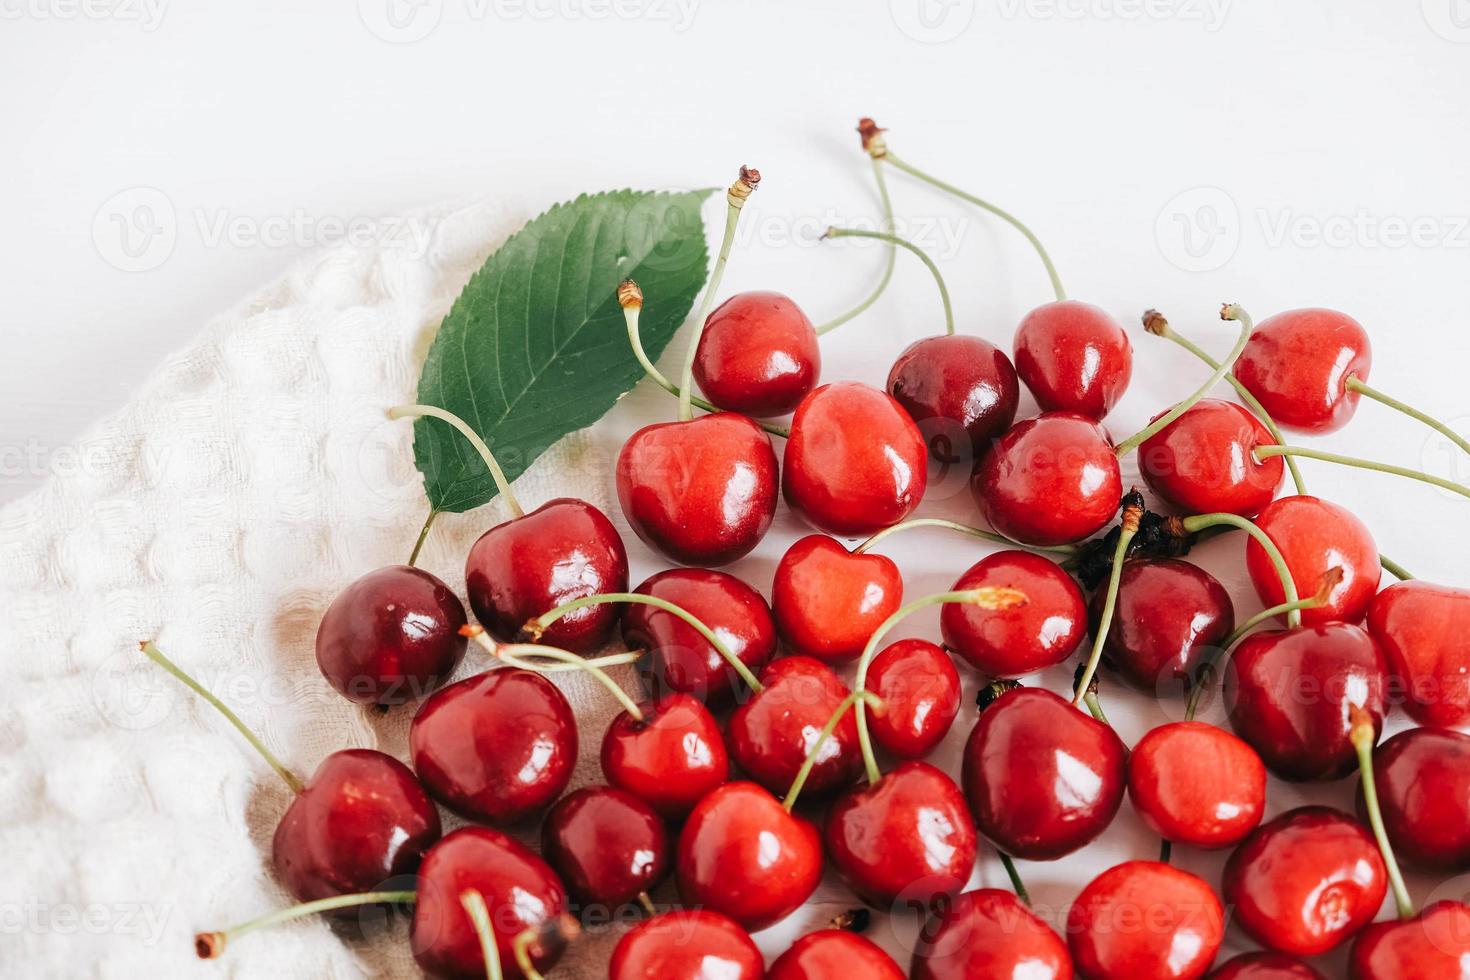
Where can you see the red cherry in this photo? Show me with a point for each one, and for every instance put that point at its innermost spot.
(758, 355)
(1423, 781)
(1297, 364)
(1204, 461)
(1169, 615)
(1424, 629)
(741, 854)
(827, 600)
(499, 746)
(1047, 629)
(855, 462)
(1304, 882)
(391, 636)
(1314, 536)
(1289, 693)
(703, 492)
(1043, 778)
(1145, 919)
(693, 945)
(920, 691)
(670, 759)
(608, 846)
(1049, 480)
(770, 735)
(989, 933)
(1195, 784)
(834, 954)
(681, 659)
(1074, 357)
(1265, 966)
(563, 550)
(1433, 945)
(961, 391)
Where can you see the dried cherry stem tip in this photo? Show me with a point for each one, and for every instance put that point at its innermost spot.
(1363, 737)
(872, 136)
(866, 697)
(502, 485)
(1132, 515)
(1354, 383)
(512, 655)
(892, 239)
(209, 945)
(557, 932)
(853, 920)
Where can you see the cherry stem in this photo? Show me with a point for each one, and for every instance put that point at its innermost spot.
(519, 650)
(1230, 311)
(156, 655)
(537, 626)
(735, 197)
(884, 236)
(1363, 736)
(418, 545)
(1362, 464)
(984, 534)
(512, 654)
(1193, 525)
(868, 698)
(474, 906)
(1016, 883)
(1395, 569)
(502, 485)
(883, 281)
(1051, 270)
(522, 947)
(1166, 850)
(1353, 383)
(1132, 514)
(209, 945)
(646, 904)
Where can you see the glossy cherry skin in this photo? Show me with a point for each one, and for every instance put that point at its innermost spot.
(1433, 945)
(1424, 630)
(1046, 630)
(1423, 783)
(1145, 919)
(702, 492)
(521, 891)
(758, 355)
(1290, 694)
(988, 933)
(1196, 784)
(855, 462)
(1074, 357)
(1042, 777)
(670, 759)
(1297, 364)
(682, 660)
(744, 856)
(827, 600)
(920, 691)
(362, 819)
(1049, 480)
(693, 945)
(770, 735)
(563, 550)
(1304, 882)
(1265, 966)
(1204, 461)
(834, 954)
(1169, 615)
(608, 846)
(960, 390)
(391, 636)
(1314, 536)
(499, 746)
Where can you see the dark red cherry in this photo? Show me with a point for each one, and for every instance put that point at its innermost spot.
(670, 759)
(988, 933)
(770, 735)
(1169, 615)
(744, 856)
(391, 636)
(680, 658)
(1290, 692)
(920, 691)
(563, 550)
(1074, 357)
(608, 846)
(1145, 919)
(828, 601)
(1196, 784)
(1304, 882)
(1046, 630)
(1265, 966)
(855, 462)
(521, 892)
(499, 746)
(361, 819)
(1204, 461)
(758, 355)
(834, 954)
(1297, 364)
(1424, 630)
(1049, 480)
(1433, 945)
(960, 390)
(1043, 778)
(1423, 781)
(692, 945)
(1314, 536)
(702, 492)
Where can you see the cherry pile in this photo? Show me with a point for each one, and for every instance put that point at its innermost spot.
(750, 708)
